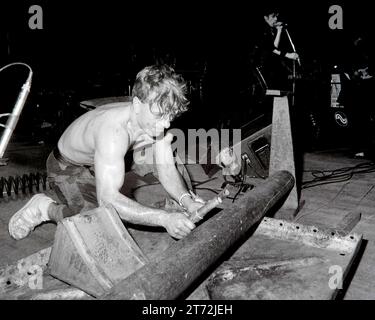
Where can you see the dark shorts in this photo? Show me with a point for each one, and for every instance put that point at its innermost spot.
(74, 185)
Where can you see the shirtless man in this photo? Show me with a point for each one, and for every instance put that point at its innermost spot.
(87, 168)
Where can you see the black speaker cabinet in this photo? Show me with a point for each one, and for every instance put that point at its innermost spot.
(255, 152)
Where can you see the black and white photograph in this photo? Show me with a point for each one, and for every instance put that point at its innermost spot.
(200, 153)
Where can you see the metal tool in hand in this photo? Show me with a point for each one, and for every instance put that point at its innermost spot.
(211, 204)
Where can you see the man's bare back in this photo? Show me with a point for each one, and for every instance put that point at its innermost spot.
(78, 143)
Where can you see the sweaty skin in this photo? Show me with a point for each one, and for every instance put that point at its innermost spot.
(102, 137)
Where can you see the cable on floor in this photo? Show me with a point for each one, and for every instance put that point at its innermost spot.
(322, 177)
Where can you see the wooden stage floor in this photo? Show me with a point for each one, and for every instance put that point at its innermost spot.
(324, 206)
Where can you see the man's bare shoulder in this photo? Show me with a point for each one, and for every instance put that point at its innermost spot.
(114, 105)
(105, 113)
(112, 130)
(110, 127)
(102, 129)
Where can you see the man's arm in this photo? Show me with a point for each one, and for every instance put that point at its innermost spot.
(169, 176)
(111, 147)
(276, 42)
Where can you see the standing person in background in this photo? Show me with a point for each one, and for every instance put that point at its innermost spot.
(272, 52)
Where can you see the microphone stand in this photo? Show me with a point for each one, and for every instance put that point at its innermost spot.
(294, 67)
(16, 112)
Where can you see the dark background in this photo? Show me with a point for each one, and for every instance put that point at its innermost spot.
(88, 50)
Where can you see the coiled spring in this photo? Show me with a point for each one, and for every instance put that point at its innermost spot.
(27, 183)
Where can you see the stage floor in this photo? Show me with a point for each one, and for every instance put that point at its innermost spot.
(324, 206)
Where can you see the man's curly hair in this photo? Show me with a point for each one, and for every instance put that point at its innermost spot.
(160, 84)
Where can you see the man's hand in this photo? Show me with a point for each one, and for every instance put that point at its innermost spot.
(292, 55)
(193, 203)
(178, 225)
(279, 27)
